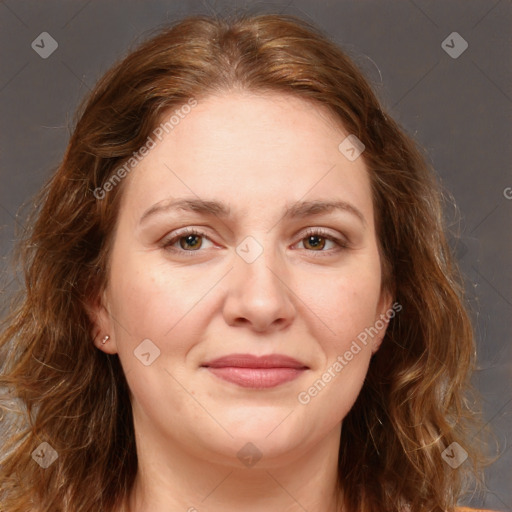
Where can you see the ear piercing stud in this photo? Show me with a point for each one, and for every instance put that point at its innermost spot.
(105, 339)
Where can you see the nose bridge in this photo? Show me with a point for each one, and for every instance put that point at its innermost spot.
(258, 292)
(259, 261)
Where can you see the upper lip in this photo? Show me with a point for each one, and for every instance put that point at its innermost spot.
(250, 361)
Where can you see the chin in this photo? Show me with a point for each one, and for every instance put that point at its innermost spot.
(275, 441)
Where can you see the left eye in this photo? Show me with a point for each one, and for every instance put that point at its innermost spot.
(318, 240)
(191, 241)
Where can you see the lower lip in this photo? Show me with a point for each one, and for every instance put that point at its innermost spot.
(258, 378)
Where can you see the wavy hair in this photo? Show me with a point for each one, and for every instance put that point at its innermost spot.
(417, 398)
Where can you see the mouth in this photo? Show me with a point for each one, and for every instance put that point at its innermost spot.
(255, 372)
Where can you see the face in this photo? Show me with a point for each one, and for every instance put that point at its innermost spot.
(274, 274)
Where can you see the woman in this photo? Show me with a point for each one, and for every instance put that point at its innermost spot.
(239, 294)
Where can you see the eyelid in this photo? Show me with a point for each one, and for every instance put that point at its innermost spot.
(340, 241)
(326, 234)
(174, 237)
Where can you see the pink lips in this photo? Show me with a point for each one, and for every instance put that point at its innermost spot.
(250, 371)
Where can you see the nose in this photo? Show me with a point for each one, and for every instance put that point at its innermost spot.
(259, 294)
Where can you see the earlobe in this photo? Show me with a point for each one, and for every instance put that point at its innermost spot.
(104, 343)
(377, 343)
(385, 312)
(101, 325)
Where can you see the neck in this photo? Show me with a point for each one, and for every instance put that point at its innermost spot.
(174, 479)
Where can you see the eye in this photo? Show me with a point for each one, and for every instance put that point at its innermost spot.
(315, 240)
(189, 240)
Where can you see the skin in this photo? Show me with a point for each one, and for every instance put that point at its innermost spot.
(257, 153)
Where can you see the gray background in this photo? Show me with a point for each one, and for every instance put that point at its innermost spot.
(459, 110)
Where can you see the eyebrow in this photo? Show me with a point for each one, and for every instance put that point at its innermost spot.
(300, 209)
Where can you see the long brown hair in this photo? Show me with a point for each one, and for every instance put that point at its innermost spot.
(414, 402)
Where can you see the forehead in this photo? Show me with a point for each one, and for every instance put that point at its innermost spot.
(246, 122)
(241, 145)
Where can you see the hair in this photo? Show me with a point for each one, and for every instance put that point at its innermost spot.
(417, 398)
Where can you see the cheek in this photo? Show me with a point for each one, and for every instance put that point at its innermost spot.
(342, 310)
(152, 298)
(344, 303)
(143, 307)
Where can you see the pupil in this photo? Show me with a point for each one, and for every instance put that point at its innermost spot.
(313, 244)
(188, 240)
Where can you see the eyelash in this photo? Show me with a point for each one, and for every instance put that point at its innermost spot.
(168, 243)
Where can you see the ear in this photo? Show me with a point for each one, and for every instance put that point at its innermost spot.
(385, 311)
(102, 323)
